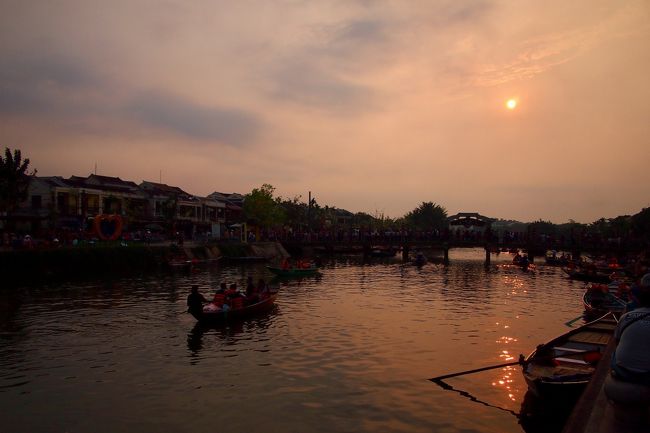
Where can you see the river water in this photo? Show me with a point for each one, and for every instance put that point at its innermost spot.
(348, 351)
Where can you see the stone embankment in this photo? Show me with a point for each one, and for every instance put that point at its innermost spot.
(106, 259)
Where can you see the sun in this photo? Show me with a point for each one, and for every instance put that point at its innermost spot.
(511, 104)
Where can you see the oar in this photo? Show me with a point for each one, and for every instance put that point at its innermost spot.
(520, 361)
(572, 321)
(476, 370)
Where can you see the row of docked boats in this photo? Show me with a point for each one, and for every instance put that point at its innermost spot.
(564, 365)
(560, 369)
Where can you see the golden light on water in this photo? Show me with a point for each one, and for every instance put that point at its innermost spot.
(511, 104)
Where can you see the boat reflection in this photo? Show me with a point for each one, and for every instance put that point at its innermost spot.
(228, 334)
(539, 415)
(535, 416)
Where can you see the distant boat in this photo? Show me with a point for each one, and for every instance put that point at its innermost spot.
(293, 272)
(382, 252)
(590, 275)
(420, 260)
(562, 367)
(554, 260)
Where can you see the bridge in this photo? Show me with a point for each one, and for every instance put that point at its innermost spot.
(464, 230)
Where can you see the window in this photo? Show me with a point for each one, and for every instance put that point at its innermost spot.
(36, 202)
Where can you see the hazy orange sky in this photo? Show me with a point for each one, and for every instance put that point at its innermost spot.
(372, 105)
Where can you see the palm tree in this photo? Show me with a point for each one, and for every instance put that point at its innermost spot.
(14, 180)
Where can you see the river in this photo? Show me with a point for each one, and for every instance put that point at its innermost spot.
(348, 351)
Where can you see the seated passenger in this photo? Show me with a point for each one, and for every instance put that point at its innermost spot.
(232, 292)
(631, 360)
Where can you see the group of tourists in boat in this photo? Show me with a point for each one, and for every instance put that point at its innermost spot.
(298, 268)
(522, 260)
(230, 302)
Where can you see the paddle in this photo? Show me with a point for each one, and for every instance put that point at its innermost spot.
(520, 361)
(476, 370)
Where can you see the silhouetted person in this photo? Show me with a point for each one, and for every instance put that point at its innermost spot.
(195, 301)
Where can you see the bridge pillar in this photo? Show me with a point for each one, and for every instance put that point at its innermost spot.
(487, 255)
(405, 252)
(446, 255)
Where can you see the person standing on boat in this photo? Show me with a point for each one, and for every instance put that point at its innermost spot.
(195, 301)
(631, 360)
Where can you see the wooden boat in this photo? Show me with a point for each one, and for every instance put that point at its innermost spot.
(211, 315)
(420, 260)
(179, 263)
(599, 301)
(590, 275)
(293, 272)
(556, 261)
(561, 368)
(382, 252)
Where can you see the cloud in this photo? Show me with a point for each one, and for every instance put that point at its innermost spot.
(64, 88)
(46, 83)
(229, 126)
(536, 56)
(306, 83)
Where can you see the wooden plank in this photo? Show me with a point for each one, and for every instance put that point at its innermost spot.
(591, 337)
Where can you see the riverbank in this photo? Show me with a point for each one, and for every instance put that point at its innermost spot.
(116, 258)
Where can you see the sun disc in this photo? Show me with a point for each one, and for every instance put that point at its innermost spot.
(511, 104)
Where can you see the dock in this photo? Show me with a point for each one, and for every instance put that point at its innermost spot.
(593, 413)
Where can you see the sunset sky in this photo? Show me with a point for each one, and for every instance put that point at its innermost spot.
(372, 105)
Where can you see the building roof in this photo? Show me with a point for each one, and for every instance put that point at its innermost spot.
(105, 183)
(53, 181)
(161, 188)
(229, 198)
(469, 219)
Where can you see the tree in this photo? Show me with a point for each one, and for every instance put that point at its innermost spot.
(14, 180)
(295, 212)
(261, 208)
(427, 216)
(641, 224)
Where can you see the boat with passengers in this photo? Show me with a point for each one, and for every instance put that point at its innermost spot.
(214, 313)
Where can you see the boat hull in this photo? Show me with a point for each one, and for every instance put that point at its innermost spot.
(598, 304)
(221, 317)
(561, 368)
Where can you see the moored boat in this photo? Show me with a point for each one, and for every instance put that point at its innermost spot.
(293, 272)
(590, 275)
(213, 315)
(562, 367)
(598, 300)
(382, 252)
